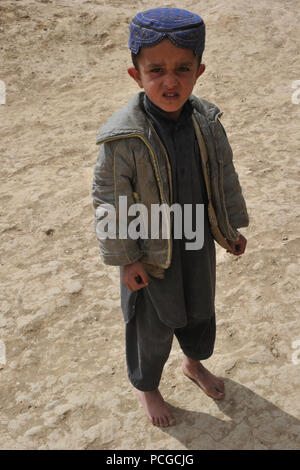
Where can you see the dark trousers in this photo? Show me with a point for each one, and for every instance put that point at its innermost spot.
(149, 342)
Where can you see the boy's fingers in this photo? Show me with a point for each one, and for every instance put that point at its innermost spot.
(144, 277)
(134, 285)
(135, 277)
(136, 282)
(140, 281)
(239, 250)
(238, 247)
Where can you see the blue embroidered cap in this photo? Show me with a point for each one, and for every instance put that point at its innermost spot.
(184, 28)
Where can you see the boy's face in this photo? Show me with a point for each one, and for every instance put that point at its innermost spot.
(168, 74)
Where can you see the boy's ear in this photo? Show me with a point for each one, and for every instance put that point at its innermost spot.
(200, 70)
(135, 74)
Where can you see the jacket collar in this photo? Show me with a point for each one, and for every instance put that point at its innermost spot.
(131, 119)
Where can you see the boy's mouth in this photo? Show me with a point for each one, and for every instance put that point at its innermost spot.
(170, 95)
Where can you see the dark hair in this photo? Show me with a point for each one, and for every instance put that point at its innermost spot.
(134, 58)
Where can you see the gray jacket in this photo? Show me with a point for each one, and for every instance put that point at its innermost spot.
(133, 162)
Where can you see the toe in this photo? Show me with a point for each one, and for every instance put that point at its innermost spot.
(166, 421)
(219, 395)
(163, 421)
(154, 421)
(171, 421)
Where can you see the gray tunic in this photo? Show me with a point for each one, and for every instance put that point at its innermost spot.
(186, 294)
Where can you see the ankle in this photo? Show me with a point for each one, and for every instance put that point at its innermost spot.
(187, 361)
(147, 392)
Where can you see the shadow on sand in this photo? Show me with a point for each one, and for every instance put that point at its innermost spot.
(251, 422)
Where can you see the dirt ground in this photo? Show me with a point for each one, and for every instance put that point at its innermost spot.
(63, 378)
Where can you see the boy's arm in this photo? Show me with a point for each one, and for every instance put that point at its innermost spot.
(113, 177)
(234, 199)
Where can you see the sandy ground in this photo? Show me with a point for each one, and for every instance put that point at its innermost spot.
(64, 382)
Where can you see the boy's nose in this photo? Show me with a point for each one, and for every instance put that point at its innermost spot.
(170, 81)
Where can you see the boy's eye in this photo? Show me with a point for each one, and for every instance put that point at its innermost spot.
(179, 69)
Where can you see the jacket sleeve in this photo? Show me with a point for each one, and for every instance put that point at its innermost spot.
(234, 199)
(113, 177)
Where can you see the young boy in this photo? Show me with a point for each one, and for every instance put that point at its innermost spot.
(168, 147)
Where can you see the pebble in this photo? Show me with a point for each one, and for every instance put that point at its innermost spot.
(293, 269)
(274, 352)
(108, 45)
(73, 287)
(52, 404)
(28, 358)
(4, 307)
(230, 365)
(92, 433)
(257, 266)
(62, 302)
(47, 230)
(260, 357)
(28, 323)
(33, 431)
(22, 14)
(63, 410)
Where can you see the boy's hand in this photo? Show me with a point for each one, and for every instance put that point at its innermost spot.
(238, 247)
(134, 276)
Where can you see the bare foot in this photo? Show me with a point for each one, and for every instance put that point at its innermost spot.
(210, 384)
(156, 408)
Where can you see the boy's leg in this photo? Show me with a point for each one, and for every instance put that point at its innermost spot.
(148, 345)
(197, 343)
